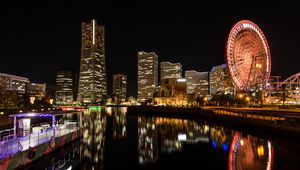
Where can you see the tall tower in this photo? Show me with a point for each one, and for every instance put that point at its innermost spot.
(147, 75)
(92, 77)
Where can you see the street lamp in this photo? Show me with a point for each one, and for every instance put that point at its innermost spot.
(205, 100)
(248, 100)
(240, 96)
(51, 101)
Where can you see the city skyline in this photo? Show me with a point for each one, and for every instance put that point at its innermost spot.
(45, 41)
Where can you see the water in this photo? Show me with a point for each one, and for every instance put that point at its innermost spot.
(114, 140)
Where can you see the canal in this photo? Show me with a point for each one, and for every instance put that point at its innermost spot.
(114, 140)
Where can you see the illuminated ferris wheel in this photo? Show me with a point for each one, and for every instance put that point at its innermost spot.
(248, 56)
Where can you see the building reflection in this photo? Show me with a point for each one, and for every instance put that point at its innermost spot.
(94, 127)
(147, 140)
(220, 137)
(172, 133)
(167, 135)
(176, 131)
(119, 123)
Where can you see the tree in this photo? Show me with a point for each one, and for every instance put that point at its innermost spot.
(221, 99)
(42, 103)
(8, 98)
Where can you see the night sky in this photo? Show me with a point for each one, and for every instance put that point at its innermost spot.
(37, 41)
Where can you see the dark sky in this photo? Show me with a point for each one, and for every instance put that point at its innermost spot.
(36, 41)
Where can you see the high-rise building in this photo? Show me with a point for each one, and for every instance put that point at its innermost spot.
(197, 82)
(170, 70)
(12, 82)
(120, 85)
(220, 80)
(92, 78)
(147, 75)
(37, 90)
(64, 88)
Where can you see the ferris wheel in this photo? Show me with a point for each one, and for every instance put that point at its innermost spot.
(248, 56)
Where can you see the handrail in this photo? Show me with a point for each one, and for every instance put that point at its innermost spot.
(7, 130)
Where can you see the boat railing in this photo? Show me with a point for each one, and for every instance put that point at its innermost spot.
(11, 144)
(6, 135)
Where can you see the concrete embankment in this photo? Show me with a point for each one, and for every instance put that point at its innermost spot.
(274, 128)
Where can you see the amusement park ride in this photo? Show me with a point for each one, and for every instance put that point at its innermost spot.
(249, 61)
(248, 56)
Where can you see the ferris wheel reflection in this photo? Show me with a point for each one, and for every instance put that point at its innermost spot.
(248, 152)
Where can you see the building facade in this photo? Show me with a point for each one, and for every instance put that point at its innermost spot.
(147, 75)
(170, 70)
(64, 88)
(220, 80)
(37, 90)
(172, 92)
(92, 85)
(197, 83)
(12, 82)
(120, 86)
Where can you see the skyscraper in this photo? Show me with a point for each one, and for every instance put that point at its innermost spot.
(92, 77)
(170, 70)
(64, 87)
(120, 86)
(147, 74)
(220, 80)
(197, 82)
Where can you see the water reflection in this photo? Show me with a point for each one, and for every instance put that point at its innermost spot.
(147, 140)
(171, 135)
(248, 152)
(112, 139)
(94, 126)
(65, 158)
(119, 123)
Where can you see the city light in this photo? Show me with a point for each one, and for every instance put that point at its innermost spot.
(242, 142)
(95, 108)
(181, 80)
(260, 150)
(32, 99)
(93, 31)
(182, 137)
(258, 66)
